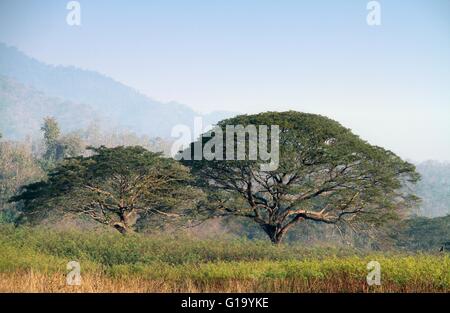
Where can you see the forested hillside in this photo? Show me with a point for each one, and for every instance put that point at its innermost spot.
(112, 101)
(23, 108)
(422, 233)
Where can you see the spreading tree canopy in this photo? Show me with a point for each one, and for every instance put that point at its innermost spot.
(114, 186)
(325, 174)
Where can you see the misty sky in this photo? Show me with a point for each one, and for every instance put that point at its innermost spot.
(389, 83)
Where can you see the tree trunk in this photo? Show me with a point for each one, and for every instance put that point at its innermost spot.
(275, 233)
(127, 221)
(123, 228)
(276, 239)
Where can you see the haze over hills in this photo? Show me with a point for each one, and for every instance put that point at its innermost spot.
(434, 188)
(84, 95)
(22, 110)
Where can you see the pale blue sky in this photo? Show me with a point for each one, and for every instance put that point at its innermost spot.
(390, 83)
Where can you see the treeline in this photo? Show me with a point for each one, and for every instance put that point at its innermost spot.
(339, 190)
(422, 233)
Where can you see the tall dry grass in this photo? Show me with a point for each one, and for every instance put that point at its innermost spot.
(56, 282)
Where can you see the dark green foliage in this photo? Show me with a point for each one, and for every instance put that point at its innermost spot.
(326, 174)
(422, 233)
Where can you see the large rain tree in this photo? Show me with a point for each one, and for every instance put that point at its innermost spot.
(114, 186)
(326, 174)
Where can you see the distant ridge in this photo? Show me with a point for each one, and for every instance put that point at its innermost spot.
(23, 108)
(111, 101)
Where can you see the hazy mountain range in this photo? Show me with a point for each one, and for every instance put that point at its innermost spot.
(31, 89)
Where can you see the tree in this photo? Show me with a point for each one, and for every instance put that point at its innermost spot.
(115, 186)
(51, 131)
(326, 174)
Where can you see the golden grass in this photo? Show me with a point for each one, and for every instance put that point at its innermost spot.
(35, 282)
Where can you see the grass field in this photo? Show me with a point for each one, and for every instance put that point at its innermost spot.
(35, 260)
